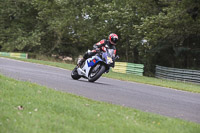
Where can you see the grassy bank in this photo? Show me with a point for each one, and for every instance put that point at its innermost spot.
(129, 77)
(28, 108)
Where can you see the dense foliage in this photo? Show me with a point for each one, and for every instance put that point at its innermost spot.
(163, 32)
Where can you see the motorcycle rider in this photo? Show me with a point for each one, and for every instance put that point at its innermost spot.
(101, 46)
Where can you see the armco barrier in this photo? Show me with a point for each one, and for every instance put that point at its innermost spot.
(136, 69)
(129, 68)
(178, 74)
(120, 67)
(16, 55)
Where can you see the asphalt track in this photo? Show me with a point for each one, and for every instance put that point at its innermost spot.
(148, 98)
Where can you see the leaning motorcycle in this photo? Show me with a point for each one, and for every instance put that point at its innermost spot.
(94, 67)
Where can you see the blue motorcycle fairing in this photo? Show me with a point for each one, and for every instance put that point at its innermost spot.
(94, 61)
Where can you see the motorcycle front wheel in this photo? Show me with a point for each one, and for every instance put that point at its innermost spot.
(74, 74)
(96, 72)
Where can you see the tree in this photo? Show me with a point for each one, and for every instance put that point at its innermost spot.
(151, 32)
(18, 26)
(173, 34)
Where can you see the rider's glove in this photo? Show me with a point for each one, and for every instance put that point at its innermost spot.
(97, 50)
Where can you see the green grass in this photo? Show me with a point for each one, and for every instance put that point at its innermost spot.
(191, 87)
(46, 110)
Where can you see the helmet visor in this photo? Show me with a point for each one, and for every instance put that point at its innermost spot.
(114, 40)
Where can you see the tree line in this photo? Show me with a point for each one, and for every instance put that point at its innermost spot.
(151, 32)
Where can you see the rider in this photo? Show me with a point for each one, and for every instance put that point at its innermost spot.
(101, 46)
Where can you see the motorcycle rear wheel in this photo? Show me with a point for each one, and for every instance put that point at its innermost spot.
(97, 74)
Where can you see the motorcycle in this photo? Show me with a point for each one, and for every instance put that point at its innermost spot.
(93, 68)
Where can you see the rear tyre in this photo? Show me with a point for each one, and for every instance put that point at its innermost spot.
(96, 72)
(74, 74)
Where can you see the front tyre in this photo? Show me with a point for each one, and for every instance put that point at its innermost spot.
(74, 74)
(96, 72)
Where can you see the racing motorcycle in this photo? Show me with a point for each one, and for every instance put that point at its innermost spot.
(94, 67)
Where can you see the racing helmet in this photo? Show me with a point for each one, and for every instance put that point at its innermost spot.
(113, 38)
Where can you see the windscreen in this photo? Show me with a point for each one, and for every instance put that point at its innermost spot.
(110, 52)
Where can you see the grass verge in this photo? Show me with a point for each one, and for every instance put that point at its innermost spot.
(30, 108)
(129, 77)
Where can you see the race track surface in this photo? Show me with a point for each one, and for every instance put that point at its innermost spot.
(159, 100)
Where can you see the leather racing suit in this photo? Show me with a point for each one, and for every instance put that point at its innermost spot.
(98, 47)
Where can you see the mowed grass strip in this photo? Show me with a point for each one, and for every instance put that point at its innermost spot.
(29, 108)
(191, 87)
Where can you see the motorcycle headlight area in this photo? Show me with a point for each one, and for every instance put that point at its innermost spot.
(109, 60)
